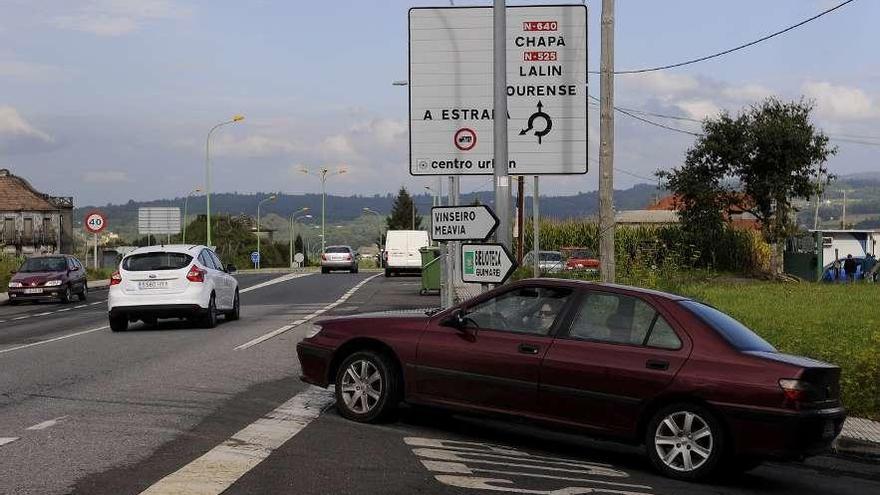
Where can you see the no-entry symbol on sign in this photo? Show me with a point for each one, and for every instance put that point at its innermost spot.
(465, 139)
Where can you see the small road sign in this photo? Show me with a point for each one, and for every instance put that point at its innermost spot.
(462, 223)
(298, 257)
(486, 263)
(255, 257)
(95, 222)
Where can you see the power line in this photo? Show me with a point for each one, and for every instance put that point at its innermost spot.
(731, 50)
(651, 122)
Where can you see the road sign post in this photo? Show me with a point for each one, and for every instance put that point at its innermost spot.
(255, 259)
(486, 263)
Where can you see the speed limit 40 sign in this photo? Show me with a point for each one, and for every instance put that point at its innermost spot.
(95, 222)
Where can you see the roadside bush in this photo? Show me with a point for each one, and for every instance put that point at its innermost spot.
(7, 265)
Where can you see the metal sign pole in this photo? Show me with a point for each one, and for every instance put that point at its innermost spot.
(536, 231)
(96, 250)
(502, 180)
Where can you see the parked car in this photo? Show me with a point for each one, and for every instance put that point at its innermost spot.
(402, 251)
(549, 261)
(49, 278)
(178, 281)
(697, 387)
(577, 258)
(339, 258)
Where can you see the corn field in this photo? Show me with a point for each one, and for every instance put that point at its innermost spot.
(737, 250)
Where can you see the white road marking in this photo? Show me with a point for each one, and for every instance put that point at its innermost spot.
(21, 318)
(46, 424)
(43, 314)
(63, 310)
(56, 339)
(5, 440)
(80, 306)
(277, 280)
(275, 333)
(219, 468)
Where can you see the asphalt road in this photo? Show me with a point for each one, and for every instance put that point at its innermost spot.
(93, 412)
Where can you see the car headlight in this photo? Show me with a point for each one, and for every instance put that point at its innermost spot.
(14, 284)
(52, 283)
(316, 329)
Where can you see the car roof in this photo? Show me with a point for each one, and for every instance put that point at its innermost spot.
(584, 284)
(339, 246)
(189, 249)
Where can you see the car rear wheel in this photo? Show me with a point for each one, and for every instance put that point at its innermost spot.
(325, 270)
(235, 313)
(84, 293)
(354, 270)
(367, 387)
(210, 318)
(119, 323)
(685, 441)
(66, 296)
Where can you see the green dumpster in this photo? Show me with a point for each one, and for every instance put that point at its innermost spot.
(430, 269)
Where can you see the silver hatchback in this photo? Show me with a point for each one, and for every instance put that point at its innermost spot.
(339, 258)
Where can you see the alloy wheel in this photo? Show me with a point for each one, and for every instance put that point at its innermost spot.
(361, 386)
(684, 441)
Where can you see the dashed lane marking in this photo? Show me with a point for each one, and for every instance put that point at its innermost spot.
(6, 440)
(46, 424)
(48, 341)
(21, 318)
(219, 468)
(275, 333)
(277, 280)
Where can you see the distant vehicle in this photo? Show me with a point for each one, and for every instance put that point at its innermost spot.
(177, 281)
(697, 387)
(549, 262)
(339, 258)
(577, 258)
(402, 251)
(49, 278)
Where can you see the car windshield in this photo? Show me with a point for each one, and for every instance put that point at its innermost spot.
(737, 334)
(338, 249)
(551, 256)
(582, 254)
(156, 261)
(44, 265)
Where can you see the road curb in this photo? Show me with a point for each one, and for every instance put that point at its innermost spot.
(858, 449)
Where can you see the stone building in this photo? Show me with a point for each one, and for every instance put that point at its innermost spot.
(32, 222)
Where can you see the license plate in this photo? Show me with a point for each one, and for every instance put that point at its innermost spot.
(153, 284)
(828, 431)
(33, 291)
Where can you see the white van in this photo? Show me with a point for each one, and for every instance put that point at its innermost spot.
(402, 250)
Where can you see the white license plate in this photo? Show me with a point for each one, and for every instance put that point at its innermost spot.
(153, 284)
(33, 291)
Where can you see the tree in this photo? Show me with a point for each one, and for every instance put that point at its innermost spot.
(758, 162)
(403, 210)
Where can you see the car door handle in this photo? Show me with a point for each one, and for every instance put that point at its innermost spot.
(528, 349)
(654, 364)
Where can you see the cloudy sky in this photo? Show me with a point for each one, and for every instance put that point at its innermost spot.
(110, 100)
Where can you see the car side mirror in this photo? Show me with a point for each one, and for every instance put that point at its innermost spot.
(75, 269)
(456, 320)
(230, 268)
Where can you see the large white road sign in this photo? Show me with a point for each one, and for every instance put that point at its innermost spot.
(486, 263)
(450, 90)
(462, 223)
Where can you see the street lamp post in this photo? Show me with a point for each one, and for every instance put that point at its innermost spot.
(293, 218)
(259, 255)
(379, 238)
(325, 172)
(185, 206)
(236, 118)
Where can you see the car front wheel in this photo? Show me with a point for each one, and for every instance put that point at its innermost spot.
(119, 323)
(367, 387)
(84, 293)
(685, 441)
(235, 313)
(209, 320)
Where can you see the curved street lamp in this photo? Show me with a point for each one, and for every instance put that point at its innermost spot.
(293, 218)
(259, 255)
(236, 118)
(324, 173)
(185, 206)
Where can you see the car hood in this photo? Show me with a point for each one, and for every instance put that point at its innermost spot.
(29, 278)
(413, 314)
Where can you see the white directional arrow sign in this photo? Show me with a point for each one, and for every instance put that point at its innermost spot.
(462, 223)
(486, 263)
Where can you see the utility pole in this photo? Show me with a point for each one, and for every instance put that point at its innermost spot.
(536, 230)
(502, 180)
(843, 216)
(606, 146)
(520, 216)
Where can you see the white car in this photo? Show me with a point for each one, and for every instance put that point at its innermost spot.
(402, 251)
(178, 281)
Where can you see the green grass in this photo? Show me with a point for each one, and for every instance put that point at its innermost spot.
(7, 265)
(839, 324)
(99, 274)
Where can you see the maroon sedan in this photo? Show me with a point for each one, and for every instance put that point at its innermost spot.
(697, 387)
(49, 278)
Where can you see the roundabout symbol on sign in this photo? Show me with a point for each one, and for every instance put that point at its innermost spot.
(465, 139)
(548, 123)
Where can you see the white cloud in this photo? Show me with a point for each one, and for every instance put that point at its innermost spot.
(28, 71)
(698, 108)
(662, 84)
(252, 146)
(386, 132)
(105, 177)
(117, 17)
(840, 102)
(746, 93)
(13, 125)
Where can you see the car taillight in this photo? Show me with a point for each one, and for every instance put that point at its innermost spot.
(348, 256)
(323, 256)
(196, 274)
(116, 278)
(798, 391)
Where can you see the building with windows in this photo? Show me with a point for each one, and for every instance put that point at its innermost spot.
(32, 222)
